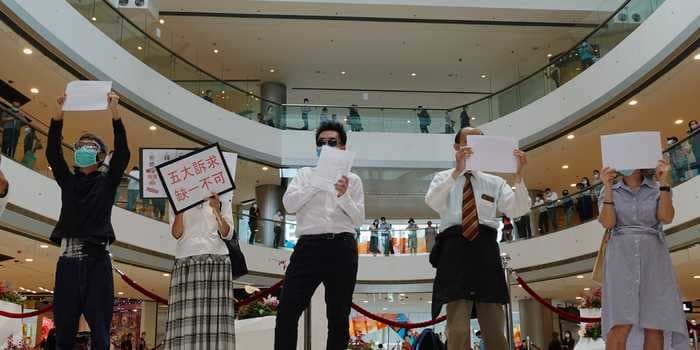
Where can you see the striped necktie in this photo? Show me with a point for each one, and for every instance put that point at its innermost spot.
(470, 219)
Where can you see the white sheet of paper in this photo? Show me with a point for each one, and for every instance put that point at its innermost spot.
(332, 164)
(632, 150)
(492, 154)
(87, 95)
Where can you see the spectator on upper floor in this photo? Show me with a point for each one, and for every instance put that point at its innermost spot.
(550, 197)
(354, 119)
(567, 203)
(584, 205)
(694, 140)
(678, 154)
(430, 235)
(305, 111)
(540, 219)
(412, 236)
(323, 116)
(464, 120)
(12, 122)
(385, 230)
(374, 237)
(209, 96)
(424, 119)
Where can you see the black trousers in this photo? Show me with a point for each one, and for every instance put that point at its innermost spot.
(83, 286)
(332, 262)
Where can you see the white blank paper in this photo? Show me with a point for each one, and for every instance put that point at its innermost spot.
(332, 164)
(87, 95)
(632, 150)
(492, 154)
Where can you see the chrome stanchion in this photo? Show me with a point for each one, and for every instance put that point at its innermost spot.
(509, 306)
(695, 338)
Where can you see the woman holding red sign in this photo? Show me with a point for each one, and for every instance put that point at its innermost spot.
(200, 308)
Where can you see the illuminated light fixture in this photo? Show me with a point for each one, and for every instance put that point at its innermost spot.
(697, 277)
(565, 166)
(573, 185)
(139, 48)
(570, 136)
(29, 260)
(34, 90)
(579, 277)
(343, 72)
(484, 76)
(697, 57)
(519, 286)
(216, 50)
(430, 301)
(586, 289)
(265, 168)
(27, 51)
(94, 19)
(504, 254)
(166, 275)
(413, 74)
(408, 121)
(43, 246)
(162, 21)
(473, 118)
(384, 309)
(549, 55)
(120, 293)
(223, 91)
(579, 298)
(365, 301)
(512, 187)
(633, 102)
(272, 70)
(678, 121)
(152, 128)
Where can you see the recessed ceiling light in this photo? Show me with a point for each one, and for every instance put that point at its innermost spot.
(343, 72)
(579, 277)
(29, 260)
(27, 51)
(484, 76)
(166, 274)
(152, 128)
(633, 103)
(265, 168)
(430, 301)
(573, 185)
(512, 187)
(365, 301)
(549, 55)
(586, 289)
(413, 74)
(216, 50)
(570, 136)
(697, 277)
(678, 121)
(272, 70)
(34, 90)
(473, 118)
(162, 21)
(384, 309)
(120, 293)
(697, 57)
(139, 48)
(579, 298)
(43, 246)
(408, 121)
(565, 166)
(94, 19)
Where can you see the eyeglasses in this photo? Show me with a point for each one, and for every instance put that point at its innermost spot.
(87, 143)
(327, 142)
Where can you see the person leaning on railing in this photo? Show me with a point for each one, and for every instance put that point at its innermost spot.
(694, 139)
(640, 291)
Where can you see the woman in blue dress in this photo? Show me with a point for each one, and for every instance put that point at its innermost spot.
(641, 299)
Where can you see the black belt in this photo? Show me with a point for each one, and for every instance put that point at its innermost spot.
(327, 236)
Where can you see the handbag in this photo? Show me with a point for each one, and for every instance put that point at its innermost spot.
(238, 264)
(598, 266)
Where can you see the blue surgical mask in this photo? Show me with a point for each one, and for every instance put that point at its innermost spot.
(626, 172)
(318, 151)
(85, 157)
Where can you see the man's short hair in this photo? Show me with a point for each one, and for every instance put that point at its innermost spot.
(333, 125)
(548, 189)
(459, 133)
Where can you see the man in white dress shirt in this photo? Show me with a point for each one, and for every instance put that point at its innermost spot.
(470, 278)
(326, 251)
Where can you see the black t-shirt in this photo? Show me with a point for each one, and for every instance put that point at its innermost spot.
(87, 199)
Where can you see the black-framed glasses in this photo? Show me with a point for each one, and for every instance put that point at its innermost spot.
(332, 142)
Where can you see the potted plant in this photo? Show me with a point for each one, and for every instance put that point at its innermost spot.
(266, 307)
(359, 344)
(591, 333)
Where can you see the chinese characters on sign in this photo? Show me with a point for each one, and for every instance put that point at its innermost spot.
(192, 178)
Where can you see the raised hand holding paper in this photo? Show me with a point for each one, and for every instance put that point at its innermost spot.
(632, 150)
(492, 154)
(332, 165)
(87, 95)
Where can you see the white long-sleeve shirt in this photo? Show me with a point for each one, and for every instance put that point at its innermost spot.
(492, 194)
(320, 211)
(200, 234)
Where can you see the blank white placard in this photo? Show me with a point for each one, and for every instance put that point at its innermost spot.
(492, 154)
(332, 164)
(87, 95)
(632, 150)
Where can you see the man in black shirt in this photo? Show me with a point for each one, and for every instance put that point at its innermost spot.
(84, 230)
(464, 120)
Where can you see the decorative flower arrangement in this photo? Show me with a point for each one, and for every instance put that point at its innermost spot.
(592, 300)
(359, 344)
(16, 343)
(268, 307)
(593, 331)
(6, 294)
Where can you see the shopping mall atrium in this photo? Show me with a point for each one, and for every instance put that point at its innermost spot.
(257, 79)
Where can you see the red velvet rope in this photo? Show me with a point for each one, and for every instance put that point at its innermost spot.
(261, 294)
(562, 314)
(395, 324)
(28, 314)
(143, 291)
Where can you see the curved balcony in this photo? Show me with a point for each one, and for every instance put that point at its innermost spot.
(642, 47)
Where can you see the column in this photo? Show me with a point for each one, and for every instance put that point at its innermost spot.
(149, 315)
(275, 92)
(535, 322)
(269, 200)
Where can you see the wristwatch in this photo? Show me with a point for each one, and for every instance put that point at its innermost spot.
(665, 188)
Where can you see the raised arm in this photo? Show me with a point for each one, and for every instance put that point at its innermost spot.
(54, 150)
(665, 211)
(121, 155)
(352, 201)
(299, 191)
(607, 217)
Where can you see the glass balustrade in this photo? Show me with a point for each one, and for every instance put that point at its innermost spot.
(147, 42)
